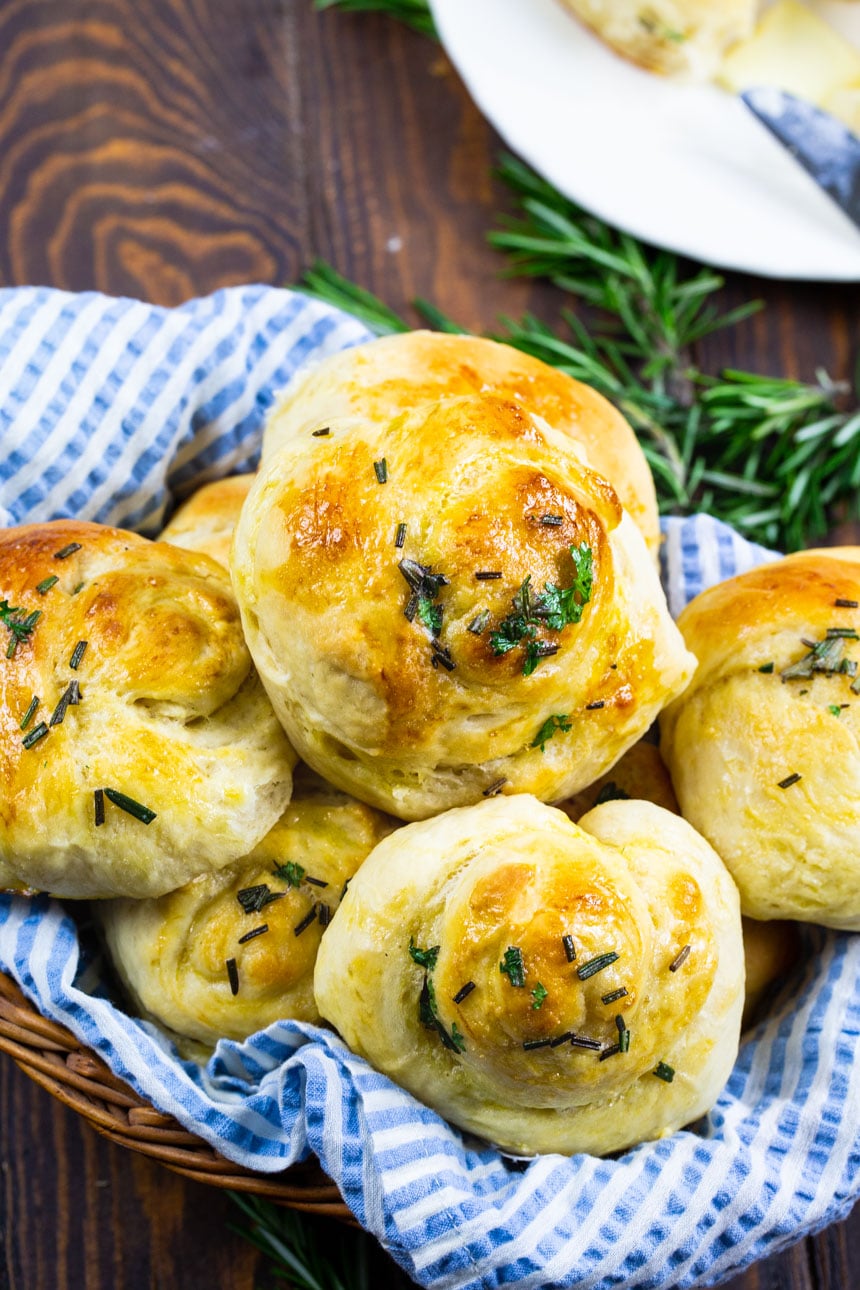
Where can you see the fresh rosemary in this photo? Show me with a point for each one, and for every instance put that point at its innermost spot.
(415, 13)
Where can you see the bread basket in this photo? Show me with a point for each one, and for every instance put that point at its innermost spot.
(152, 403)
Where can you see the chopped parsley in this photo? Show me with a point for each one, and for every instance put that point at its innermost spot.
(512, 966)
(539, 993)
(554, 610)
(424, 958)
(561, 721)
(834, 709)
(20, 628)
(290, 873)
(430, 614)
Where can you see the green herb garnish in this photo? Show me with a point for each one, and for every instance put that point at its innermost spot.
(680, 958)
(254, 932)
(400, 536)
(233, 976)
(323, 913)
(464, 992)
(664, 1071)
(38, 732)
(488, 575)
(424, 958)
(290, 873)
(614, 995)
(834, 709)
(478, 624)
(130, 806)
(767, 668)
(458, 1042)
(512, 966)
(254, 899)
(30, 713)
(70, 697)
(847, 604)
(495, 788)
(539, 993)
(46, 584)
(430, 615)
(380, 469)
(561, 721)
(20, 628)
(580, 1041)
(789, 780)
(555, 609)
(610, 1051)
(552, 521)
(67, 551)
(321, 433)
(309, 918)
(77, 655)
(569, 948)
(597, 964)
(99, 803)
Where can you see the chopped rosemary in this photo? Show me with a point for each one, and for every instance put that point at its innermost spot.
(842, 633)
(67, 551)
(611, 793)
(380, 469)
(488, 575)
(569, 948)
(30, 713)
(424, 958)
(400, 536)
(530, 1044)
(255, 931)
(495, 788)
(47, 583)
(233, 976)
(624, 1041)
(855, 686)
(552, 521)
(535, 651)
(680, 958)
(440, 653)
(614, 995)
(38, 732)
(70, 697)
(561, 1039)
(77, 654)
(321, 433)
(323, 913)
(823, 656)
(846, 604)
(512, 966)
(290, 873)
(76, 589)
(848, 666)
(309, 918)
(130, 806)
(789, 780)
(344, 889)
(580, 1041)
(767, 668)
(539, 993)
(99, 803)
(479, 623)
(597, 964)
(255, 899)
(593, 707)
(315, 882)
(620, 1024)
(554, 610)
(561, 721)
(464, 992)
(609, 1052)
(664, 1071)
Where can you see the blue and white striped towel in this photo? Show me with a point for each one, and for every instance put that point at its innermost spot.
(111, 408)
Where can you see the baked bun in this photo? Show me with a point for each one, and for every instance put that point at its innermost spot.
(763, 748)
(640, 774)
(173, 953)
(687, 37)
(207, 520)
(771, 952)
(385, 378)
(385, 662)
(448, 967)
(170, 714)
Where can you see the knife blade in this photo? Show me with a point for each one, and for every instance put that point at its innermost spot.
(825, 147)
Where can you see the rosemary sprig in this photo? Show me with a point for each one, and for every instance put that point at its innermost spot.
(415, 13)
(305, 1250)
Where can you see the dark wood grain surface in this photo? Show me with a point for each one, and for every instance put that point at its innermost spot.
(162, 149)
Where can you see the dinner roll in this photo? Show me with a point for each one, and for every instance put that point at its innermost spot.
(771, 952)
(138, 747)
(412, 593)
(641, 774)
(207, 520)
(551, 987)
(197, 960)
(763, 749)
(671, 36)
(395, 374)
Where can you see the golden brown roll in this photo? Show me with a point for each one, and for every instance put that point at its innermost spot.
(197, 961)
(387, 377)
(551, 987)
(137, 745)
(686, 37)
(449, 604)
(207, 520)
(771, 951)
(763, 748)
(641, 774)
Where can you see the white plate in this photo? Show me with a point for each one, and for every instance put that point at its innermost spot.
(682, 166)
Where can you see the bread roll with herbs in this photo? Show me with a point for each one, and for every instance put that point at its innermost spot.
(396, 374)
(452, 604)
(551, 987)
(205, 522)
(233, 951)
(640, 774)
(138, 746)
(771, 952)
(763, 748)
(676, 37)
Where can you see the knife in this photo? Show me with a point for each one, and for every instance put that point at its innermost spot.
(826, 148)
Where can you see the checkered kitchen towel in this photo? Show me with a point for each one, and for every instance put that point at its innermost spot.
(111, 408)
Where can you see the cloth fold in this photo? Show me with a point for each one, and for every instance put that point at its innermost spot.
(113, 409)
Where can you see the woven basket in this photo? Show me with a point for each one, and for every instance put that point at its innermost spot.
(54, 1058)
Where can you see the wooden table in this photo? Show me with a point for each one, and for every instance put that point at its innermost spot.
(165, 148)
